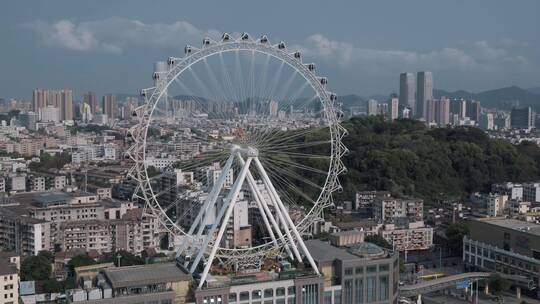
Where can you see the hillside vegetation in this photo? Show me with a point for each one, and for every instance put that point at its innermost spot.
(407, 158)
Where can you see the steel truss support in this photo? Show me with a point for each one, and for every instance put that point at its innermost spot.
(229, 205)
(286, 214)
(294, 244)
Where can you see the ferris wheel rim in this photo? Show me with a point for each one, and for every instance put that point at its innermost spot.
(335, 131)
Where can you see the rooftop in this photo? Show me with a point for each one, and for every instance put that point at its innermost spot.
(48, 198)
(145, 274)
(7, 268)
(513, 224)
(324, 252)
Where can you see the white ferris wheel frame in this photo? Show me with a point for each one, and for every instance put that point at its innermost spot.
(176, 66)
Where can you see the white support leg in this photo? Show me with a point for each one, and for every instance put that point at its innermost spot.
(282, 207)
(212, 197)
(210, 232)
(281, 217)
(236, 189)
(262, 204)
(210, 202)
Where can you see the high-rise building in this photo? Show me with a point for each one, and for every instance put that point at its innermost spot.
(62, 100)
(66, 105)
(39, 100)
(522, 118)
(109, 106)
(28, 120)
(458, 107)
(473, 110)
(273, 108)
(393, 108)
(90, 99)
(442, 116)
(407, 91)
(487, 122)
(424, 93)
(371, 107)
(49, 114)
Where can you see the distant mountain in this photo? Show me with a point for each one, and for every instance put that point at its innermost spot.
(351, 100)
(535, 90)
(503, 98)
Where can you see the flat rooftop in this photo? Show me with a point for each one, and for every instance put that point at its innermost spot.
(140, 275)
(513, 224)
(324, 252)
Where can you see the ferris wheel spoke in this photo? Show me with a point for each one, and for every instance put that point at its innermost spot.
(292, 174)
(297, 155)
(278, 161)
(286, 184)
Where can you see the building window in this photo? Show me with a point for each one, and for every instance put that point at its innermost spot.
(371, 290)
(268, 293)
(328, 297)
(359, 270)
(371, 269)
(310, 294)
(280, 301)
(280, 292)
(337, 297)
(291, 290)
(383, 267)
(244, 296)
(348, 271)
(256, 294)
(359, 290)
(348, 290)
(383, 288)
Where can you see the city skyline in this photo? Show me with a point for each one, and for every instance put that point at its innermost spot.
(96, 51)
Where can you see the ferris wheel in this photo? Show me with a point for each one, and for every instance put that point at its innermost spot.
(237, 150)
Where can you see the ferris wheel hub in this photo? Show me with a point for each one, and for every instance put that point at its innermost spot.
(246, 151)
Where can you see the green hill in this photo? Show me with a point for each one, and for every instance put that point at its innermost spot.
(406, 158)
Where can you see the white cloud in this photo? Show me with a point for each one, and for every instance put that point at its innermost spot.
(115, 35)
(485, 63)
(472, 56)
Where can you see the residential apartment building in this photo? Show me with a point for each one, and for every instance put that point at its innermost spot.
(496, 204)
(408, 236)
(387, 209)
(22, 234)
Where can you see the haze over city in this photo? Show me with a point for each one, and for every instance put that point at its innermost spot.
(361, 45)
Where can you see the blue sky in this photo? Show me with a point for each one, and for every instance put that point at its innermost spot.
(109, 46)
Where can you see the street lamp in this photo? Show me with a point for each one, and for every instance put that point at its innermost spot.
(118, 257)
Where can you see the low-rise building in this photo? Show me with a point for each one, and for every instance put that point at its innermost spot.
(147, 284)
(503, 245)
(364, 273)
(9, 282)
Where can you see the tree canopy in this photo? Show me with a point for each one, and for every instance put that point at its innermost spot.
(407, 158)
(36, 268)
(454, 234)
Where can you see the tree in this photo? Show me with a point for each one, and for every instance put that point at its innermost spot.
(378, 240)
(126, 258)
(80, 260)
(35, 268)
(454, 235)
(498, 285)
